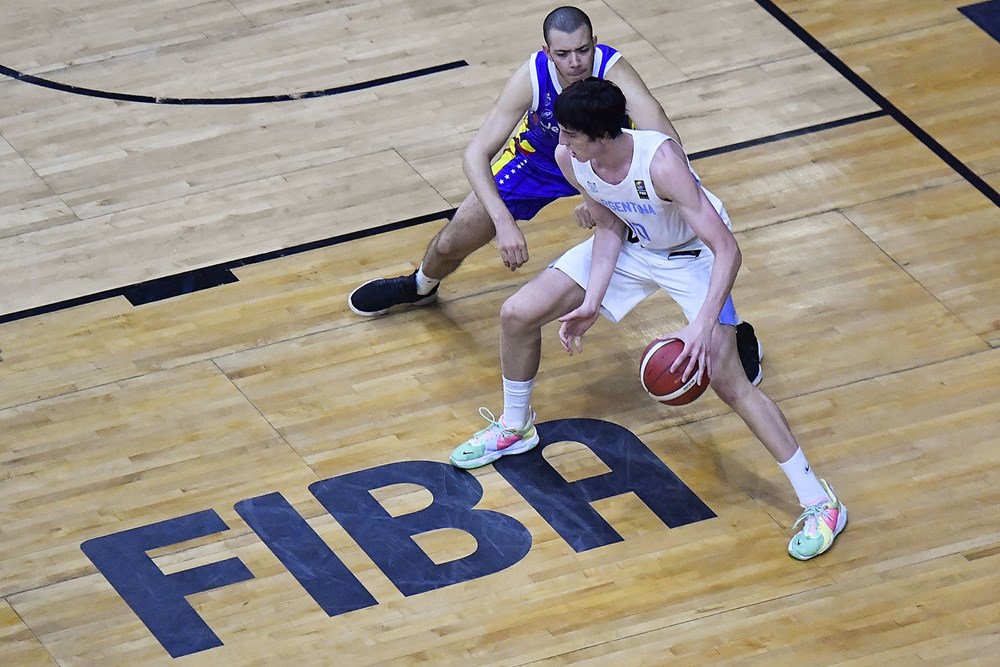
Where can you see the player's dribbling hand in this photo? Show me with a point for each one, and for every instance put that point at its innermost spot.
(697, 353)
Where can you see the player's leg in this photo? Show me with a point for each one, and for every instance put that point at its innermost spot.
(824, 516)
(751, 352)
(525, 184)
(686, 276)
(467, 231)
(543, 299)
(546, 297)
(759, 412)
(556, 291)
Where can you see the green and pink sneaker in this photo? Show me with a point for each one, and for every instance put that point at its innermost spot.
(494, 441)
(821, 523)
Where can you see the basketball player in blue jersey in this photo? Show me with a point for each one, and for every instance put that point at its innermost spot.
(524, 176)
(656, 228)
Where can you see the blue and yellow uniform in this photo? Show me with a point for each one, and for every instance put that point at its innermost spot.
(526, 172)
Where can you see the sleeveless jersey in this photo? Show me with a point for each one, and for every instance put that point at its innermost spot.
(655, 222)
(538, 134)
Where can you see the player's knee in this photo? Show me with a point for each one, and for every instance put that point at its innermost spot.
(724, 389)
(450, 245)
(731, 388)
(515, 314)
(459, 239)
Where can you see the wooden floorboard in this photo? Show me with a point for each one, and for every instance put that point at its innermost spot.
(871, 242)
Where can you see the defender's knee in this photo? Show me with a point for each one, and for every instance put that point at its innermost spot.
(454, 246)
(468, 231)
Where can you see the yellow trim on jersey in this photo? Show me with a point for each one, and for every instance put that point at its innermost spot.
(513, 146)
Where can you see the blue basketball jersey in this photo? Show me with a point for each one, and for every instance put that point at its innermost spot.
(541, 131)
(525, 171)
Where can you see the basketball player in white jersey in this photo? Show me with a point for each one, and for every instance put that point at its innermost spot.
(523, 177)
(656, 228)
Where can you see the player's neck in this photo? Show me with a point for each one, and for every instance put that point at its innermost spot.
(564, 83)
(615, 160)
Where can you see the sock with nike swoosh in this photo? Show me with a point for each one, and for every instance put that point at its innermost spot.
(516, 403)
(804, 481)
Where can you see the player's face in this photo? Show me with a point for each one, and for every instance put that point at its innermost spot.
(580, 146)
(572, 53)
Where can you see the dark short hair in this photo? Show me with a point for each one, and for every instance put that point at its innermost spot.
(565, 19)
(593, 106)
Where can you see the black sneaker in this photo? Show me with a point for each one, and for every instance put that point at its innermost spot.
(751, 352)
(377, 297)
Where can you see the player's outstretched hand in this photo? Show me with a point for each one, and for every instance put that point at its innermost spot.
(572, 327)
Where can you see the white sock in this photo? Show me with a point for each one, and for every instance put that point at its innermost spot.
(425, 284)
(516, 403)
(804, 481)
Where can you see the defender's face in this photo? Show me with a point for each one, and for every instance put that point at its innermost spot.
(572, 53)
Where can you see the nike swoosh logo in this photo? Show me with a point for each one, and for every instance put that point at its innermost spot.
(505, 443)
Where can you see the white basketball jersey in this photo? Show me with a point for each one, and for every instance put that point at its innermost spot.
(655, 222)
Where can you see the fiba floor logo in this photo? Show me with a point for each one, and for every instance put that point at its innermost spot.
(158, 599)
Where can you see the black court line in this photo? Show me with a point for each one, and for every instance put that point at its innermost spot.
(222, 101)
(781, 136)
(186, 282)
(918, 132)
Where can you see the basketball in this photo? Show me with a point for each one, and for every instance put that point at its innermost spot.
(666, 387)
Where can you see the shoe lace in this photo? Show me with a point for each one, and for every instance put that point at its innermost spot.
(397, 285)
(493, 422)
(811, 516)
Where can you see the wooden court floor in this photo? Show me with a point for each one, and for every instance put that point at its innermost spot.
(208, 459)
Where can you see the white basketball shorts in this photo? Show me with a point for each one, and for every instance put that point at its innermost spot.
(683, 272)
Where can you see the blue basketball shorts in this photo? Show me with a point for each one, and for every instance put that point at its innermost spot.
(529, 182)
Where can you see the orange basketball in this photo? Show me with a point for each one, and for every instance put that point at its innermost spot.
(666, 387)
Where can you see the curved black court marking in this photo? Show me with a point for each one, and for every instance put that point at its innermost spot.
(918, 132)
(222, 101)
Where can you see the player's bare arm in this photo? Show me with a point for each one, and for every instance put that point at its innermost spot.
(673, 180)
(608, 237)
(500, 122)
(644, 109)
